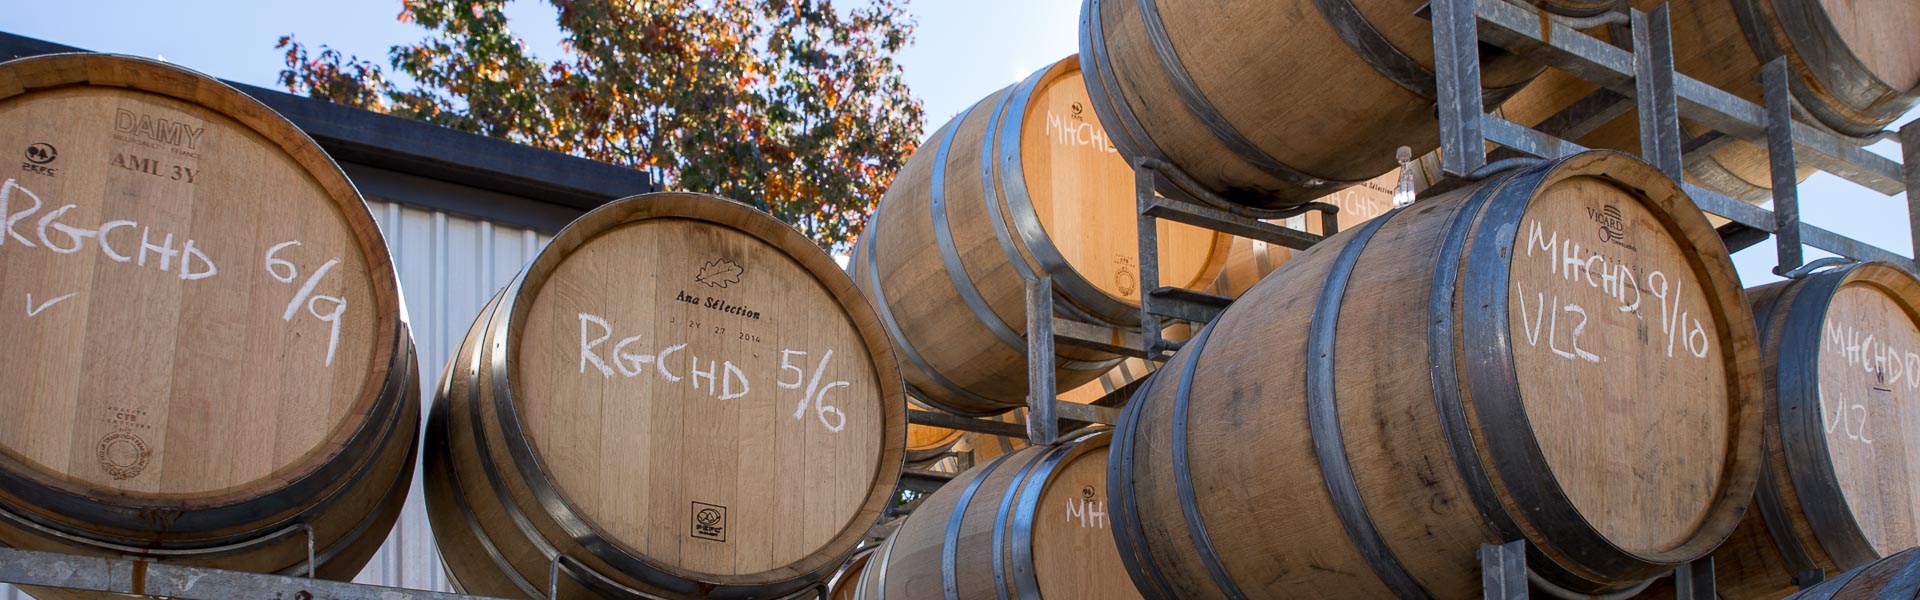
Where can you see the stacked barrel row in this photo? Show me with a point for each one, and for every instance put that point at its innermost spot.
(1560, 353)
(679, 397)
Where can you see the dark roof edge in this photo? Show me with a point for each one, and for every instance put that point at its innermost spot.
(353, 135)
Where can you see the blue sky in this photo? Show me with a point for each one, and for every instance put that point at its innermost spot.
(964, 50)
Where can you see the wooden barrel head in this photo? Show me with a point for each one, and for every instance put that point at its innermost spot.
(1880, 34)
(700, 392)
(1074, 555)
(1869, 366)
(1083, 190)
(1619, 361)
(210, 309)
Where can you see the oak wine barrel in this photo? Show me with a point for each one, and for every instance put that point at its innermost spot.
(845, 582)
(1032, 524)
(680, 395)
(1264, 119)
(217, 362)
(1841, 351)
(1895, 577)
(1855, 67)
(1023, 184)
(1558, 354)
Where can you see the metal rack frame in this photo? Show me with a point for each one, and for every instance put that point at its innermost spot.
(1640, 76)
(1645, 77)
(145, 577)
(152, 578)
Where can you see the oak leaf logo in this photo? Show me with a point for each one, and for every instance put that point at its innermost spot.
(720, 273)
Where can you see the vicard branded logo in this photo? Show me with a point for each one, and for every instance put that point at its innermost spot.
(152, 131)
(40, 155)
(1612, 226)
(1124, 277)
(709, 521)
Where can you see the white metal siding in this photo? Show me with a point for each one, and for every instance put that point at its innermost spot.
(449, 266)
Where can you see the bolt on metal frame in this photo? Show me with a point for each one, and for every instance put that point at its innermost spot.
(1642, 78)
(1645, 75)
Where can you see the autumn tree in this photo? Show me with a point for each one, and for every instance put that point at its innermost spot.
(793, 105)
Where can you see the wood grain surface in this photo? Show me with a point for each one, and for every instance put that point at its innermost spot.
(1433, 379)
(1617, 353)
(1337, 118)
(727, 336)
(215, 348)
(1868, 396)
(689, 380)
(1026, 187)
(1083, 191)
(1842, 361)
(171, 358)
(1036, 523)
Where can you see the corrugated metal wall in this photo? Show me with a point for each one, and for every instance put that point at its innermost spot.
(449, 266)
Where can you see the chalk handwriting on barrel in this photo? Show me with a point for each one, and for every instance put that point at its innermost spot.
(722, 378)
(1849, 418)
(49, 232)
(1872, 354)
(285, 271)
(1076, 130)
(1087, 512)
(815, 393)
(1683, 330)
(1532, 325)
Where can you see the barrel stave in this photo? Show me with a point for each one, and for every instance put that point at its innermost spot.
(229, 459)
(1021, 185)
(1217, 436)
(1397, 444)
(516, 482)
(1831, 501)
(1368, 119)
(1405, 484)
(996, 531)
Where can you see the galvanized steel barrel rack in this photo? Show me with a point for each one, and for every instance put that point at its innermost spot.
(1161, 192)
(150, 578)
(1644, 78)
(1646, 81)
